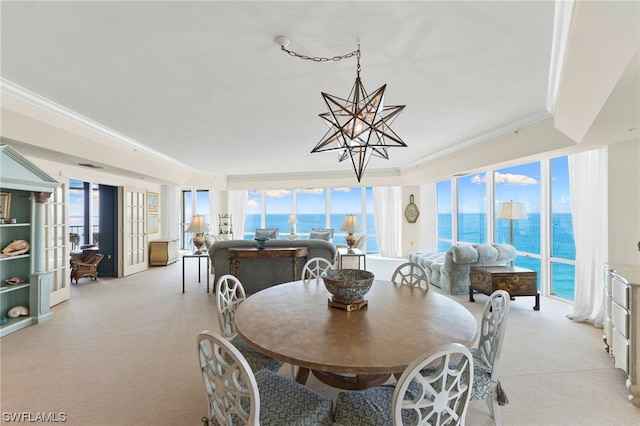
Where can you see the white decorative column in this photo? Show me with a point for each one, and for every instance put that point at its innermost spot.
(39, 290)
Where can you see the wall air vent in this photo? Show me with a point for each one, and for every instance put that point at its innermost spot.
(91, 166)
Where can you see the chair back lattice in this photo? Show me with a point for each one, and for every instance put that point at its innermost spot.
(435, 396)
(493, 327)
(231, 387)
(315, 267)
(410, 273)
(229, 294)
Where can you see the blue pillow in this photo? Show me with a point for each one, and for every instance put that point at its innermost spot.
(329, 230)
(270, 233)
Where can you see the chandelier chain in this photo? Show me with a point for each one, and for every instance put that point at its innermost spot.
(321, 59)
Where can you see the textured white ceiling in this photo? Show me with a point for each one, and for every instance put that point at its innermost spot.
(204, 82)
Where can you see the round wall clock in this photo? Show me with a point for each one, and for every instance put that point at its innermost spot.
(411, 212)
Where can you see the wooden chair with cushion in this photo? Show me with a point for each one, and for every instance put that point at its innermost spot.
(229, 294)
(237, 396)
(437, 396)
(411, 274)
(86, 267)
(315, 267)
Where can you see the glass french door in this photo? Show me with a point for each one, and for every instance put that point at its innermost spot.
(135, 255)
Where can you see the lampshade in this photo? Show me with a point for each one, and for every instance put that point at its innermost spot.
(512, 210)
(292, 219)
(350, 224)
(198, 224)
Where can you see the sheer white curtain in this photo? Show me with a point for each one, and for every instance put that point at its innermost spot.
(237, 202)
(387, 209)
(428, 218)
(170, 209)
(588, 183)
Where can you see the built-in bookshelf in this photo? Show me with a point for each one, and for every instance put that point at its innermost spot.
(24, 284)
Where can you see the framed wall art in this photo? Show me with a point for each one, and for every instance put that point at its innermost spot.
(152, 202)
(5, 205)
(152, 221)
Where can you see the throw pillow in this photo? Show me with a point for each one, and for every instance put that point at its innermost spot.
(320, 235)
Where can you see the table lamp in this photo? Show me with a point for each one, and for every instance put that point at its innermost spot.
(198, 226)
(293, 221)
(512, 211)
(350, 225)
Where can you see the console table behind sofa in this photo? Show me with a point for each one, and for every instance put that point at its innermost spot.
(256, 274)
(450, 270)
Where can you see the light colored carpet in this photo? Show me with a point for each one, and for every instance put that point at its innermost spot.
(123, 352)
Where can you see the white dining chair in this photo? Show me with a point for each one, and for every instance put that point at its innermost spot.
(237, 396)
(486, 357)
(315, 267)
(411, 274)
(437, 396)
(229, 294)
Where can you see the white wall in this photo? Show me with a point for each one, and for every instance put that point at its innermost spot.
(624, 202)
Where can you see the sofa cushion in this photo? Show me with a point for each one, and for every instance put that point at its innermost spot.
(464, 253)
(271, 233)
(323, 230)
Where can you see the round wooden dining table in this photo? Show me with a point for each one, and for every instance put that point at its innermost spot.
(293, 322)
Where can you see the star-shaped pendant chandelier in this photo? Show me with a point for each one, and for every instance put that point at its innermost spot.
(359, 126)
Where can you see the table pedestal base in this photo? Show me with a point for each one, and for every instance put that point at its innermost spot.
(351, 382)
(343, 381)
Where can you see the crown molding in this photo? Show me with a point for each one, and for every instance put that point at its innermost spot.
(25, 95)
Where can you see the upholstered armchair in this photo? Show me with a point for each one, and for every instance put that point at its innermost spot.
(86, 267)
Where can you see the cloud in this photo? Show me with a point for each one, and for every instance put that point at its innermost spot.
(252, 202)
(312, 191)
(477, 179)
(278, 193)
(511, 179)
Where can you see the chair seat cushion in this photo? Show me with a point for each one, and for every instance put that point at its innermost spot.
(256, 359)
(285, 402)
(369, 407)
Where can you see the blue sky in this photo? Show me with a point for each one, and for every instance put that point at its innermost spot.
(519, 183)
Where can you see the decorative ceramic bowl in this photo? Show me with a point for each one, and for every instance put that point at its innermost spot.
(261, 242)
(347, 285)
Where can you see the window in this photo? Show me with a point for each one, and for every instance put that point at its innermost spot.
(445, 217)
(253, 219)
(278, 207)
(84, 215)
(311, 208)
(462, 209)
(472, 209)
(563, 251)
(519, 184)
(314, 208)
(200, 206)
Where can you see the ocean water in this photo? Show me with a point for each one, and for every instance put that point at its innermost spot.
(308, 221)
(472, 229)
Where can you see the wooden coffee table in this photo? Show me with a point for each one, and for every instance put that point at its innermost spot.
(514, 280)
(357, 349)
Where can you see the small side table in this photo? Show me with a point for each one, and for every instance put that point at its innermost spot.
(199, 257)
(344, 252)
(514, 280)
